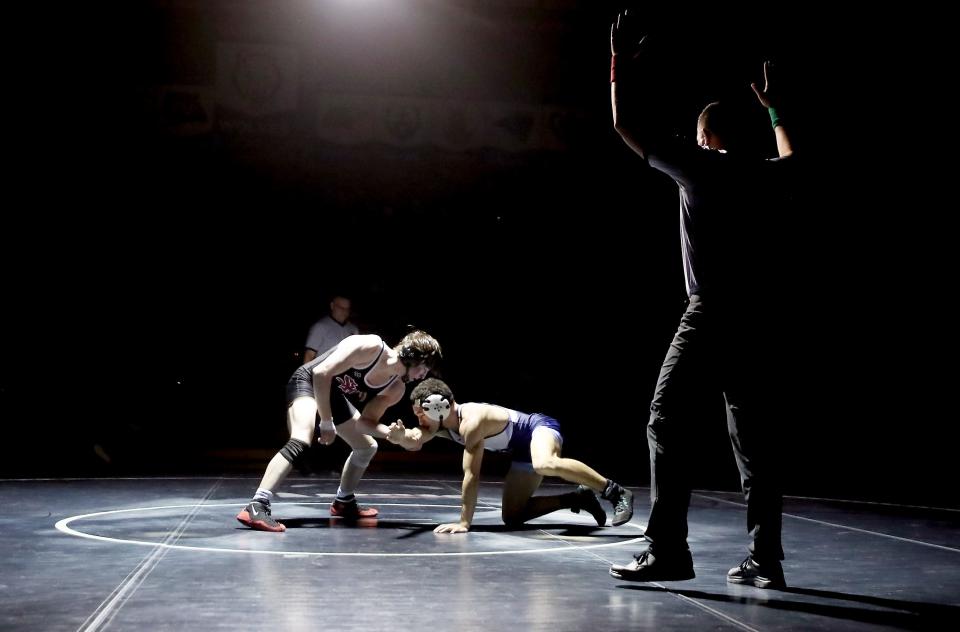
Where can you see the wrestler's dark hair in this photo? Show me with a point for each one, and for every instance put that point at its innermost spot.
(428, 387)
(419, 347)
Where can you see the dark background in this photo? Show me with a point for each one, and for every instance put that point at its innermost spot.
(158, 285)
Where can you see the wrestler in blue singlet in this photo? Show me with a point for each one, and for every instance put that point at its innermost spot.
(516, 435)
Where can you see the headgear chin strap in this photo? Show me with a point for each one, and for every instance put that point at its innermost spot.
(436, 406)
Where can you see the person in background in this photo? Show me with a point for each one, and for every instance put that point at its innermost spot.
(331, 329)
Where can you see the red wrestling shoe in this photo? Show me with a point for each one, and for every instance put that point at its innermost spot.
(351, 510)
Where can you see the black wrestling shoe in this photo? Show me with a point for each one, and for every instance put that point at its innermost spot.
(584, 498)
(622, 500)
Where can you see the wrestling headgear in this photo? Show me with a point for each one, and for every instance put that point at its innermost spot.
(436, 407)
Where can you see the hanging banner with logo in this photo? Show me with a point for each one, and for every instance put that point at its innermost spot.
(448, 124)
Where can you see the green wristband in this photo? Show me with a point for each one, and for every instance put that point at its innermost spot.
(774, 117)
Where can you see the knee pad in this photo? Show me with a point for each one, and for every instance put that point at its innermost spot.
(294, 451)
(361, 457)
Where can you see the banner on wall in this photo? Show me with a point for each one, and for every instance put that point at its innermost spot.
(257, 80)
(186, 110)
(448, 124)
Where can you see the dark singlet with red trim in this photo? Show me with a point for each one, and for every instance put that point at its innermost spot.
(352, 383)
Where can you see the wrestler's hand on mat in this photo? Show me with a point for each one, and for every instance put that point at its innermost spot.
(452, 527)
